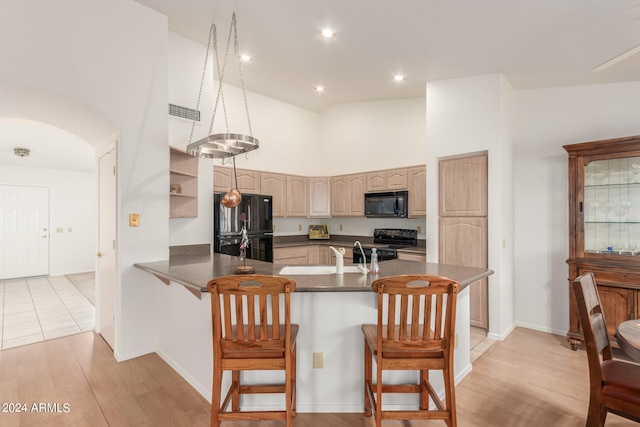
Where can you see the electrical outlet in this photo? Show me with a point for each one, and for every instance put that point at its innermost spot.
(419, 230)
(455, 345)
(299, 227)
(340, 227)
(134, 220)
(317, 360)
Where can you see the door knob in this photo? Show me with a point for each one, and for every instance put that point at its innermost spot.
(44, 236)
(99, 254)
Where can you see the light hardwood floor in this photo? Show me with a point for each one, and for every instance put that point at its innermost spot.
(530, 379)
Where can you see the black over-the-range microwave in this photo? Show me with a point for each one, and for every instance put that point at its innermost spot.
(386, 205)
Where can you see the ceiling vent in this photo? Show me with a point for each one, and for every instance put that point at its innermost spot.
(184, 112)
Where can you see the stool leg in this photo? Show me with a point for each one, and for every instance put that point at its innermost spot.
(367, 378)
(235, 398)
(424, 394)
(215, 395)
(294, 358)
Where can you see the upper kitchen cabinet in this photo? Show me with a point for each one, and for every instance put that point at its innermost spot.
(347, 195)
(463, 186)
(183, 179)
(319, 197)
(275, 185)
(387, 180)
(417, 183)
(248, 180)
(604, 227)
(297, 196)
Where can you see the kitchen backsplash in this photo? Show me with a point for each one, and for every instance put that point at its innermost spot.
(350, 226)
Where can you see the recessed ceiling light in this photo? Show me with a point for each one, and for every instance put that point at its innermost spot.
(398, 77)
(245, 57)
(319, 88)
(327, 33)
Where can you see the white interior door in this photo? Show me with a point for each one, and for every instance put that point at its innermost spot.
(106, 265)
(24, 231)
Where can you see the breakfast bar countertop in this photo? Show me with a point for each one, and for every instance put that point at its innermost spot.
(195, 271)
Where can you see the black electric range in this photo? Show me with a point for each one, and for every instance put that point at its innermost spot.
(386, 241)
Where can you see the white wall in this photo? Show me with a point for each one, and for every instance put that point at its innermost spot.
(472, 115)
(72, 203)
(106, 60)
(547, 120)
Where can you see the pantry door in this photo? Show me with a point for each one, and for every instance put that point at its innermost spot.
(24, 231)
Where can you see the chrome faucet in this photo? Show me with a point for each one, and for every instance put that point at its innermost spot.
(362, 267)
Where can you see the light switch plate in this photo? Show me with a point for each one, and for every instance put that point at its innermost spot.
(134, 220)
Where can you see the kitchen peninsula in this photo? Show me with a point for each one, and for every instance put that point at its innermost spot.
(329, 309)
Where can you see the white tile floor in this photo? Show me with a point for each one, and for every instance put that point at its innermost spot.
(40, 308)
(480, 344)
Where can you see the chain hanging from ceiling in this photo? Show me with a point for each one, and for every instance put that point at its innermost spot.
(223, 145)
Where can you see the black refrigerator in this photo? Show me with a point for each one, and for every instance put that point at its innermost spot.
(255, 213)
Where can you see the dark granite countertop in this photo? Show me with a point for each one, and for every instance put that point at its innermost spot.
(195, 271)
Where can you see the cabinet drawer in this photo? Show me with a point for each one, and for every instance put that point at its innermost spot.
(614, 277)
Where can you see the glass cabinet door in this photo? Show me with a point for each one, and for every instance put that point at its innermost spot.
(612, 206)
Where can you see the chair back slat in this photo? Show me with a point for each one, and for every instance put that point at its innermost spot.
(275, 315)
(246, 311)
(435, 298)
(251, 317)
(391, 318)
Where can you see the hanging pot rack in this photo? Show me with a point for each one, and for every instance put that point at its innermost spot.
(222, 145)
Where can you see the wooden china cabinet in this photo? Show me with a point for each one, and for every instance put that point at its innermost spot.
(604, 227)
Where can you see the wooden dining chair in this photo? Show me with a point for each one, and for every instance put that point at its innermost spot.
(614, 384)
(248, 334)
(416, 334)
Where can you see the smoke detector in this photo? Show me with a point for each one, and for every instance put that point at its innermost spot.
(22, 152)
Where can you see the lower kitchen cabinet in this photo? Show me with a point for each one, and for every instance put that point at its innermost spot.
(291, 255)
(411, 256)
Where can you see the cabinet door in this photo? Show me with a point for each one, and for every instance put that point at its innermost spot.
(325, 255)
(463, 241)
(294, 255)
(412, 256)
(275, 184)
(355, 203)
(339, 196)
(319, 197)
(463, 186)
(376, 181)
(617, 306)
(297, 196)
(313, 252)
(396, 179)
(222, 179)
(248, 181)
(417, 183)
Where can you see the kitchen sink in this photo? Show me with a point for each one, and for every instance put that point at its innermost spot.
(317, 269)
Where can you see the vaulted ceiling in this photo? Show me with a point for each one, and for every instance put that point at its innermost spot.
(533, 43)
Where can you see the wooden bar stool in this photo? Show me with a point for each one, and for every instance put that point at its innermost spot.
(248, 335)
(418, 335)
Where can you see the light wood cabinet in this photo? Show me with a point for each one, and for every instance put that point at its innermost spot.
(339, 196)
(319, 197)
(386, 180)
(275, 185)
(324, 255)
(297, 196)
(463, 186)
(293, 255)
(183, 179)
(463, 225)
(356, 184)
(604, 228)
(463, 241)
(248, 180)
(411, 256)
(417, 183)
